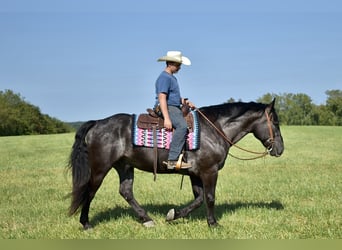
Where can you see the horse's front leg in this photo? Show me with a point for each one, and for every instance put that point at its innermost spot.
(197, 189)
(209, 182)
(126, 175)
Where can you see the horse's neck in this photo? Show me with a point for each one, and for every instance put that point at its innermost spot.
(236, 129)
(234, 120)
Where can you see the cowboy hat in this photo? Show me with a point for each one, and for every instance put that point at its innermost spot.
(175, 56)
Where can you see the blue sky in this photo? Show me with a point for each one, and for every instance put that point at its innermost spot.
(82, 60)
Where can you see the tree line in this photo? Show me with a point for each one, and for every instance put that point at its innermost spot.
(298, 109)
(18, 117)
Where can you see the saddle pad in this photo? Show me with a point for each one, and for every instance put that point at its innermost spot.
(144, 137)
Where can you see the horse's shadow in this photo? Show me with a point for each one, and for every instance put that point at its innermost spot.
(162, 209)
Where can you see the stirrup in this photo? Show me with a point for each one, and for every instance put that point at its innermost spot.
(177, 165)
(180, 163)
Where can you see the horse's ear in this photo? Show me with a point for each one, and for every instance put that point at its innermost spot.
(270, 106)
(273, 102)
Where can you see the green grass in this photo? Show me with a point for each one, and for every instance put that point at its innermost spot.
(298, 195)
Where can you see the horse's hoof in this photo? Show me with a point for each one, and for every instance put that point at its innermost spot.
(149, 223)
(170, 215)
(87, 226)
(214, 225)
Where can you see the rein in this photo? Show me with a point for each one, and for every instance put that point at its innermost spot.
(259, 154)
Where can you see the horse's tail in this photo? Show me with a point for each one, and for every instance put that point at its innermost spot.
(80, 168)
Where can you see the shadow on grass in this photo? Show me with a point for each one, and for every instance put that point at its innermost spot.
(200, 213)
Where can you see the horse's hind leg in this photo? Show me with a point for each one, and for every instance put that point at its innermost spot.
(126, 175)
(93, 185)
(197, 189)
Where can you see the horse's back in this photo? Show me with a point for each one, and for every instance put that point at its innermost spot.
(113, 124)
(109, 138)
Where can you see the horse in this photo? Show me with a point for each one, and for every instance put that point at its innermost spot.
(101, 145)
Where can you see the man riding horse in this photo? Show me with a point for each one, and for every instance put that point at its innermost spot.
(168, 104)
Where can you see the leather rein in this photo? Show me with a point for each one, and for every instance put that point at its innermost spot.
(259, 154)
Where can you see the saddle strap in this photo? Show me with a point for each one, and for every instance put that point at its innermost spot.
(155, 152)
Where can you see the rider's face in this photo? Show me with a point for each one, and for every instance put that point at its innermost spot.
(175, 67)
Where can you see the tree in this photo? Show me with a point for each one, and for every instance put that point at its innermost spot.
(17, 117)
(301, 111)
(334, 105)
(293, 109)
(231, 100)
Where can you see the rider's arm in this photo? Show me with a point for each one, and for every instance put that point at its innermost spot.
(164, 110)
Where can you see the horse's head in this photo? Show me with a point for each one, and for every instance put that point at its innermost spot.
(268, 131)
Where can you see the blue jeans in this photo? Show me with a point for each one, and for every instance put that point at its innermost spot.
(180, 131)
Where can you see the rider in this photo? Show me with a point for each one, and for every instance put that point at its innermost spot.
(169, 101)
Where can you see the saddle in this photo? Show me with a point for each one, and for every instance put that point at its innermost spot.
(152, 121)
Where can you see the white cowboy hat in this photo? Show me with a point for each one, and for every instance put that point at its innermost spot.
(175, 56)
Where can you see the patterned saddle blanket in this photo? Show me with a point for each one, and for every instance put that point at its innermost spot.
(144, 127)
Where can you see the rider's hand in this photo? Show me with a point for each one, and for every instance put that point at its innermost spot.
(168, 124)
(190, 104)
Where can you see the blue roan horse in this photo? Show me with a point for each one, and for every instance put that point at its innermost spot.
(105, 144)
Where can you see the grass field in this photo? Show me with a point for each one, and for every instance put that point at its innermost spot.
(296, 196)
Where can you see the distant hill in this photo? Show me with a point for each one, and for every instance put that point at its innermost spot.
(18, 117)
(75, 125)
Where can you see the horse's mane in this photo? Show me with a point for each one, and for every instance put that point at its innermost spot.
(232, 110)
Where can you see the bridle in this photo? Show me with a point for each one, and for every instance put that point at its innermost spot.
(270, 140)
